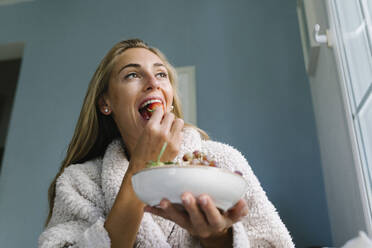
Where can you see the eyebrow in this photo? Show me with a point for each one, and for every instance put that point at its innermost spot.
(138, 66)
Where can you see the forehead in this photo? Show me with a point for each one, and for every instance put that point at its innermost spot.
(141, 56)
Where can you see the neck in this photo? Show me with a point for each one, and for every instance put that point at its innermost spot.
(127, 145)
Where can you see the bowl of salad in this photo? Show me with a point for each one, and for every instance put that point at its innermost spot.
(196, 174)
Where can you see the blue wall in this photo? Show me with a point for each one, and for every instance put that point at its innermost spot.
(252, 93)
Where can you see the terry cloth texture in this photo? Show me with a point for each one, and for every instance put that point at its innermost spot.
(86, 192)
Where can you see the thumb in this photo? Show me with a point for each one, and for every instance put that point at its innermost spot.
(157, 115)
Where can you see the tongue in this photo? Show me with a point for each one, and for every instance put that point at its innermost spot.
(148, 110)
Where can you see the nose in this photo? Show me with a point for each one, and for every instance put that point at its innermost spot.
(152, 82)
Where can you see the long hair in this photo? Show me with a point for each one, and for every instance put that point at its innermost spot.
(95, 131)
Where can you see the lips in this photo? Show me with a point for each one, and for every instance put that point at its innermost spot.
(148, 107)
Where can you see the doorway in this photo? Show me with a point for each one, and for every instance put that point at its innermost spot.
(10, 64)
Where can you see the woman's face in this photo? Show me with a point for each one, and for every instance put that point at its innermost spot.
(138, 79)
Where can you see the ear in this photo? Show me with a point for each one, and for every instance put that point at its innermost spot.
(104, 105)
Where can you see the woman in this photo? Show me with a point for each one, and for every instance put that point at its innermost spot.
(92, 202)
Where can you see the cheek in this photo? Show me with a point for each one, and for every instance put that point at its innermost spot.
(170, 93)
(123, 95)
(120, 105)
(113, 93)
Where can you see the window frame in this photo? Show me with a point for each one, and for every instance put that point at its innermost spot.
(355, 133)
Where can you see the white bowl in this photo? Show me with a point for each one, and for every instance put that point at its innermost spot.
(153, 184)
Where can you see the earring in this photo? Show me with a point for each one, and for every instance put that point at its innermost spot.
(106, 110)
(171, 108)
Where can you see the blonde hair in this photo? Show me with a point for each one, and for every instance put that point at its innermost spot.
(94, 131)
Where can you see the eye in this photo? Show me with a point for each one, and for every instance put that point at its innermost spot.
(162, 75)
(131, 75)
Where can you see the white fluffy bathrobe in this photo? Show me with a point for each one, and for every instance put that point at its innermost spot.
(86, 192)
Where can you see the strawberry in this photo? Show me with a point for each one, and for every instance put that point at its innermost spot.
(148, 110)
(152, 106)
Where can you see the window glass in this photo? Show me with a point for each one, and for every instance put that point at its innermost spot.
(353, 40)
(354, 31)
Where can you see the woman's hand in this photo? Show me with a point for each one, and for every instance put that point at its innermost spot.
(123, 227)
(202, 219)
(157, 131)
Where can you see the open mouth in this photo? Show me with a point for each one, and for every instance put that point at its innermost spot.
(147, 108)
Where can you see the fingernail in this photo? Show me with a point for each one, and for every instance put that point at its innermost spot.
(203, 200)
(163, 205)
(245, 211)
(186, 200)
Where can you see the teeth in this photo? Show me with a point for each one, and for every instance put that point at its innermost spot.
(149, 102)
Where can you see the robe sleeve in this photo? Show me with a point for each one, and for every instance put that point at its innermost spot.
(78, 214)
(262, 227)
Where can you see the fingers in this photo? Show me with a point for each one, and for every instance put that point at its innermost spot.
(204, 221)
(215, 220)
(172, 124)
(197, 218)
(162, 127)
(177, 126)
(238, 211)
(156, 116)
(167, 121)
(170, 131)
(170, 211)
(175, 138)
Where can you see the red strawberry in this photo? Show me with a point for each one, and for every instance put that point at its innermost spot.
(148, 110)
